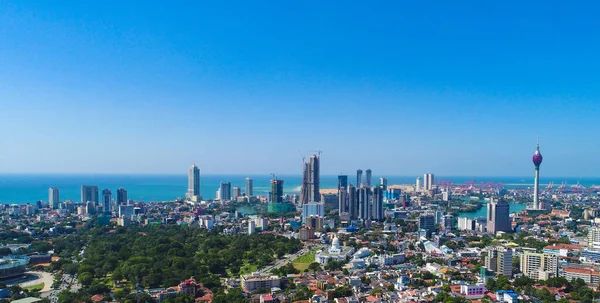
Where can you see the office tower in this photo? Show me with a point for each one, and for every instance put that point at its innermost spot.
(352, 201)
(276, 191)
(378, 203)
(418, 185)
(368, 178)
(89, 194)
(427, 223)
(447, 222)
(53, 197)
(236, 193)
(314, 178)
(428, 181)
(364, 203)
(498, 218)
(359, 178)
(90, 207)
(342, 199)
(121, 196)
(342, 181)
(499, 260)
(539, 266)
(193, 192)
(107, 205)
(383, 182)
(537, 160)
(225, 191)
(249, 187)
(251, 227)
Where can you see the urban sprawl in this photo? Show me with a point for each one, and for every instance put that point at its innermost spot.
(364, 241)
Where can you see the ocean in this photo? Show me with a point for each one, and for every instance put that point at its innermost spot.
(25, 188)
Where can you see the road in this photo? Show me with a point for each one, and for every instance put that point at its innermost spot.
(287, 259)
(67, 282)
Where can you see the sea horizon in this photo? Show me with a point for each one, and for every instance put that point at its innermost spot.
(22, 188)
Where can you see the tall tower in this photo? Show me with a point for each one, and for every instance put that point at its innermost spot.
(225, 190)
(368, 178)
(378, 203)
(276, 191)
(537, 160)
(107, 206)
(249, 187)
(193, 191)
(121, 196)
(342, 181)
(314, 178)
(89, 194)
(53, 197)
(358, 178)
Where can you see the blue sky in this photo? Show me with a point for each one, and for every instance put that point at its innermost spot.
(240, 87)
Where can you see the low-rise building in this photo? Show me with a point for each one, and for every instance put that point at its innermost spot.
(255, 281)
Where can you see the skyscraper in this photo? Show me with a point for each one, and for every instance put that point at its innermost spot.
(418, 184)
(428, 181)
(249, 187)
(315, 178)
(89, 194)
(383, 182)
(121, 196)
(311, 179)
(53, 197)
(276, 191)
(236, 193)
(352, 201)
(193, 183)
(378, 203)
(107, 205)
(537, 160)
(359, 178)
(427, 223)
(225, 190)
(364, 203)
(498, 216)
(342, 181)
(342, 198)
(368, 178)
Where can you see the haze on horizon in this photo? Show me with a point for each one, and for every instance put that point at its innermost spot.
(455, 89)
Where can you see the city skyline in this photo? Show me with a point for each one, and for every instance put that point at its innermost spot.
(169, 74)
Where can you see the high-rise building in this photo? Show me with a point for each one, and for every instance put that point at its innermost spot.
(418, 184)
(378, 203)
(342, 181)
(383, 182)
(107, 205)
(352, 202)
(315, 178)
(537, 161)
(251, 227)
(359, 178)
(364, 203)
(427, 223)
(53, 197)
(121, 196)
(193, 192)
(594, 237)
(276, 191)
(539, 266)
(236, 193)
(368, 178)
(499, 260)
(249, 187)
(313, 209)
(498, 216)
(225, 191)
(428, 181)
(447, 222)
(342, 200)
(89, 194)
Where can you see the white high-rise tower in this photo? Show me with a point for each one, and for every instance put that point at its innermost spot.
(193, 192)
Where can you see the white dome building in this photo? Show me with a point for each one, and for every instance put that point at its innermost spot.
(334, 253)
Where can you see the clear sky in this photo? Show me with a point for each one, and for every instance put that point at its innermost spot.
(452, 88)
